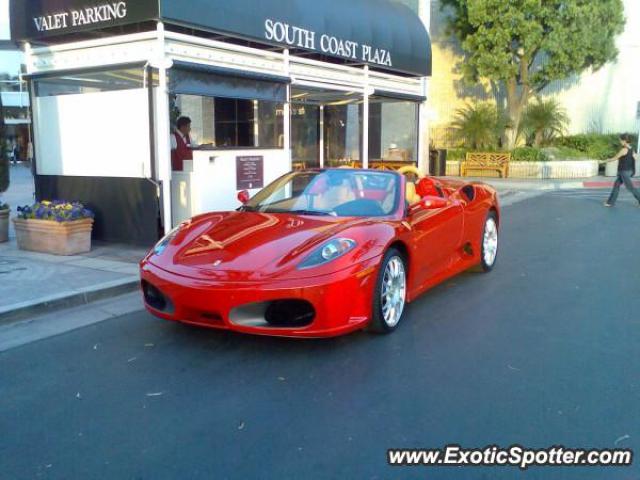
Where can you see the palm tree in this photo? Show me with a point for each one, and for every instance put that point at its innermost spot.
(544, 120)
(477, 125)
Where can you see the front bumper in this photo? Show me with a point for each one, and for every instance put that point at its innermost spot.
(342, 301)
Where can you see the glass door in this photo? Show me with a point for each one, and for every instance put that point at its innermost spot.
(305, 135)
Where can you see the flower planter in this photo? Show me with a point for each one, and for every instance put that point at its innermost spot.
(4, 225)
(57, 238)
(543, 170)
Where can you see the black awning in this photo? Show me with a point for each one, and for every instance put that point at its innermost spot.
(381, 33)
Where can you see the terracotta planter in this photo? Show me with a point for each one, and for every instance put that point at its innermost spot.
(58, 238)
(4, 225)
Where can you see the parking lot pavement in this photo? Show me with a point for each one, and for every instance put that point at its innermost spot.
(543, 351)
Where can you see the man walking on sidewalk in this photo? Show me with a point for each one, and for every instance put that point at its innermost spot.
(626, 169)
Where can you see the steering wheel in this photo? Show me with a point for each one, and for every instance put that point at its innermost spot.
(410, 169)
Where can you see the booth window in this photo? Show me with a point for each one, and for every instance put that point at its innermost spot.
(233, 122)
(92, 82)
(228, 111)
(113, 143)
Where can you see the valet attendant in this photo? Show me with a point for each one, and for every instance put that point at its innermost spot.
(181, 148)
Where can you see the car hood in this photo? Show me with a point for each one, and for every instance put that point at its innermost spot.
(247, 246)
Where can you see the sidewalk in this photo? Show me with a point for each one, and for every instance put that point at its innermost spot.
(504, 185)
(32, 283)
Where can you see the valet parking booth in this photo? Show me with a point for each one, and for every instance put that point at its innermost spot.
(270, 86)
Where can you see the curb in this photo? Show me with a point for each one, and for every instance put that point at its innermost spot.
(23, 310)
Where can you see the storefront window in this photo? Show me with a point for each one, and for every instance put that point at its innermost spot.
(393, 130)
(343, 134)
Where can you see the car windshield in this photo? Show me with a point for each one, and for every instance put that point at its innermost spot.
(342, 193)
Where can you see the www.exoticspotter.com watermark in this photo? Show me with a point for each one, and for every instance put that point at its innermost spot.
(514, 456)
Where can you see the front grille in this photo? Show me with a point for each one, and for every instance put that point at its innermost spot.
(155, 298)
(289, 313)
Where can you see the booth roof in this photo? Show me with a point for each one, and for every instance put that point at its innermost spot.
(384, 34)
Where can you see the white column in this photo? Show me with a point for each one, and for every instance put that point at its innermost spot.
(28, 57)
(163, 131)
(365, 120)
(321, 136)
(287, 114)
(423, 131)
(423, 109)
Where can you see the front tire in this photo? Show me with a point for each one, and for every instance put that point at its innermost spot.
(390, 294)
(489, 245)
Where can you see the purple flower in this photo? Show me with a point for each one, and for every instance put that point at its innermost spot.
(57, 210)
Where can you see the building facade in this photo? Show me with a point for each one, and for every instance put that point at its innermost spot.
(604, 101)
(14, 97)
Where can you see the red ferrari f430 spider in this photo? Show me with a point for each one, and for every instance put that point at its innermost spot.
(320, 253)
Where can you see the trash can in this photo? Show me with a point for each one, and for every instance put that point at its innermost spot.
(433, 159)
(438, 162)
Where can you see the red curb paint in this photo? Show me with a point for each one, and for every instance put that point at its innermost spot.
(604, 184)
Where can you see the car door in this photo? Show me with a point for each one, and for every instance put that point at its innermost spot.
(436, 236)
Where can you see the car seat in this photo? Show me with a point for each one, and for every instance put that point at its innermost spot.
(334, 196)
(428, 187)
(411, 194)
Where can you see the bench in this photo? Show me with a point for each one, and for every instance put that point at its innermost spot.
(494, 161)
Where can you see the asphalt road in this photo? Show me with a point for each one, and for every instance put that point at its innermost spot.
(543, 351)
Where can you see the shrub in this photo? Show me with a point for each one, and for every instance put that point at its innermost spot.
(477, 126)
(595, 146)
(528, 154)
(564, 153)
(457, 154)
(543, 121)
(58, 211)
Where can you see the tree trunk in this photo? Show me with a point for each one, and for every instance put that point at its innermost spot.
(539, 138)
(517, 99)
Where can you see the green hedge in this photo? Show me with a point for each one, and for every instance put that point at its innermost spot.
(529, 154)
(594, 146)
(575, 147)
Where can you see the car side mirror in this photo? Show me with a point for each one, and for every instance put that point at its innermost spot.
(433, 203)
(244, 197)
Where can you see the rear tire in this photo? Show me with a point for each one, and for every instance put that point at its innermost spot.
(489, 243)
(390, 294)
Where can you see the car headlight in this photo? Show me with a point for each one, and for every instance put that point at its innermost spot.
(162, 244)
(328, 252)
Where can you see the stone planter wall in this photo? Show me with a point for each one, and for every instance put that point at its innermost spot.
(58, 238)
(543, 170)
(453, 168)
(4, 225)
(554, 169)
